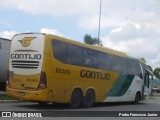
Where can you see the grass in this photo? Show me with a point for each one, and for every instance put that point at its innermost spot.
(5, 97)
(154, 96)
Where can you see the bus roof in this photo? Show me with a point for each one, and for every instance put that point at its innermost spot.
(98, 48)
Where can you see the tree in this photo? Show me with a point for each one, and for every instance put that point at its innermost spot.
(150, 68)
(89, 40)
(95, 41)
(156, 72)
(143, 59)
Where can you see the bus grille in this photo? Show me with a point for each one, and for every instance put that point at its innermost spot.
(25, 64)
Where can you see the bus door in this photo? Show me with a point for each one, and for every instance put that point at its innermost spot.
(148, 75)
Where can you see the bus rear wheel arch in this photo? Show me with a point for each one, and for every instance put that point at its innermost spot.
(89, 98)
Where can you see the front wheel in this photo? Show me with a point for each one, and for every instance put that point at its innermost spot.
(137, 98)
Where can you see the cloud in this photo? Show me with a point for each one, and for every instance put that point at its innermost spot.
(51, 31)
(91, 22)
(134, 24)
(114, 14)
(138, 40)
(8, 34)
(52, 7)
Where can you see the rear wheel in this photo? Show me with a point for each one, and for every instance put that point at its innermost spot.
(42, 103)
(76, 98)
(88, 99)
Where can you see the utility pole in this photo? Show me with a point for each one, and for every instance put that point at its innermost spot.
(99, 27)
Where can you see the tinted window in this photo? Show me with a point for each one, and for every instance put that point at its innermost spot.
(128, 66)
(103, 61)
(117, 64)
(74, 54)
(136, 68)
(77, 55)
(60, 51)
(90, 58)
(106, 61)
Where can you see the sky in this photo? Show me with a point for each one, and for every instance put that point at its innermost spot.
(131, 26)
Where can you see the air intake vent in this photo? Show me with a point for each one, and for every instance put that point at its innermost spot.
(25, 64)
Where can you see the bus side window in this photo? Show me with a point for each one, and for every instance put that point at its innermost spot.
(90, 58)
(128, 66)
(137, 69)
(103, 61)
(74, 55)
(118, 64)
(60, 51)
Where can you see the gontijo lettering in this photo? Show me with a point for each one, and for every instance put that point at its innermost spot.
(94, 75)
(26, 56)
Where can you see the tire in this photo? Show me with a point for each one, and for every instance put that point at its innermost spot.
(2, 86)
(88, 99)
(137, 98)
(42, 103)
(76, 98)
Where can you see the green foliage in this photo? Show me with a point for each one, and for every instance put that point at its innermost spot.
(89, 40)
(5, 97)
(150, 68)
(156, 72)
(143, 59)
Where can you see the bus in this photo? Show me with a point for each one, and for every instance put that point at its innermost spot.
(45, 68)
(4, 52)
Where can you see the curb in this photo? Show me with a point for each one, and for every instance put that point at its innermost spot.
(158, 98)
(2, 93)
(10, 101)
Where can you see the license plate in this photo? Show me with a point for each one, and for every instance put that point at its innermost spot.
(21, 93)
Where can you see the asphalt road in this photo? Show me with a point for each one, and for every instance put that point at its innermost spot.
(65, 113)
(150, 105)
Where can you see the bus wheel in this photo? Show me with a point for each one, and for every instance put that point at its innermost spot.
(42, 103)
(76, 98)
(88, 99)
(137, 97)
